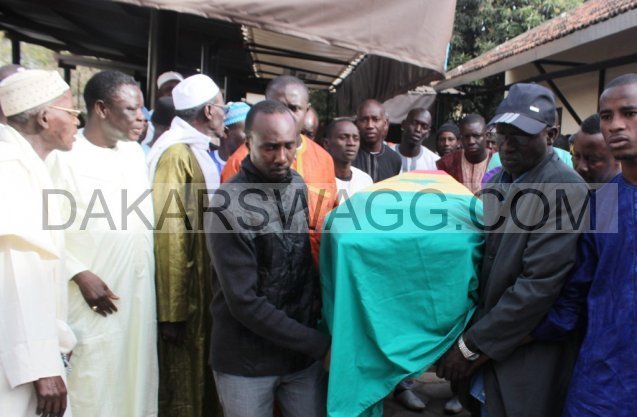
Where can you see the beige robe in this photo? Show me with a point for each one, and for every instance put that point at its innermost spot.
(33, 307)
(115, 370)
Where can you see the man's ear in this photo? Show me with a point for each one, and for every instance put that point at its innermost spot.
(42, 118)
(551, 135)
(207, 111)
(403, 124)
(100, 109)
(248, 142)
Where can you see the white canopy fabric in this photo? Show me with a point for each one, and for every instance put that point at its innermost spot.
(318, 64)
(397, 107)
(411, 31)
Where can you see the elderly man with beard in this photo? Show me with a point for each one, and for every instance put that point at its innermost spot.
(33, 298)
(110, 254)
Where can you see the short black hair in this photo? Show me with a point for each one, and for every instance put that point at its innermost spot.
(416, 111)
(329, 130)
(590, 125)
(266, 107)
(103, 85)
(626, 79)
(164, 111)
(283, 81)
(472, 118)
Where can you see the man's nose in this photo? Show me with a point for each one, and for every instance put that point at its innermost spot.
(616, 123)
(280, 156)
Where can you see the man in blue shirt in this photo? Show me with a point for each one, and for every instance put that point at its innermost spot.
(601, 293)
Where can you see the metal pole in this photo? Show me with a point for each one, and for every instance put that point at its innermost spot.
(15, 51)
(151, 63)
(67, 75)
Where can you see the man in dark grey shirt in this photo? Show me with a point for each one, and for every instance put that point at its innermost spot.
(374, 156)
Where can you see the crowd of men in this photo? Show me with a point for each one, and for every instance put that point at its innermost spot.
(121, 295)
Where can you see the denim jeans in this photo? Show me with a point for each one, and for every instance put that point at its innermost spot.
(302, 393)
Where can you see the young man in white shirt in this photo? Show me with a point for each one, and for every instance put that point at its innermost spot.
(342, 142)
(415, 128)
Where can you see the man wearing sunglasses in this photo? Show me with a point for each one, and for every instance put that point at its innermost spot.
(183, 174)
(33, 305)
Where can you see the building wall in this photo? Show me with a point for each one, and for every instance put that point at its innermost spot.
(581, 91)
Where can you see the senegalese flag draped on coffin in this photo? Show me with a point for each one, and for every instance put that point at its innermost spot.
(399, 269)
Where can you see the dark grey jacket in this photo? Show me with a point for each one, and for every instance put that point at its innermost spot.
(380, 166)
(522, 275)
(265, 287)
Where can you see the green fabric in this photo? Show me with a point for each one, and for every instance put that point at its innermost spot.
(395, 301)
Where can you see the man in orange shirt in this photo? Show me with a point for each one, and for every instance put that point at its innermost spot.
(312, 162)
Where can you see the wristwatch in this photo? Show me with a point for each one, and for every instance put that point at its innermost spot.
(468, 354)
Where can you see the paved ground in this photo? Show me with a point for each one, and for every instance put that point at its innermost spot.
(428, 386)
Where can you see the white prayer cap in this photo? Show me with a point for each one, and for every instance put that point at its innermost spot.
(168, 76)
(194, 91)
(29, 89)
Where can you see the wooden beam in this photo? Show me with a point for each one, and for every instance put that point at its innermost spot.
(275, 74)
(601, 82)
(559, 63)
(292, 68)
(560, 95)
(259, 49)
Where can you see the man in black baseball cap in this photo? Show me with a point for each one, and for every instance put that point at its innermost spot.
(524, 121)
(521, 274)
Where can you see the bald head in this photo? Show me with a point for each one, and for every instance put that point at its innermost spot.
(311, 124)
(371, 120)
(291, 92)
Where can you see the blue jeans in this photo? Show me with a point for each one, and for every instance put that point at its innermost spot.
(302, 393)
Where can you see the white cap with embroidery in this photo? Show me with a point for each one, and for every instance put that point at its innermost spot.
(194, 91)
(29, 89)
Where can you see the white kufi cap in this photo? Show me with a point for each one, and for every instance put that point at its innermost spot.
(194, 91)
(29, 89)
(168, 76)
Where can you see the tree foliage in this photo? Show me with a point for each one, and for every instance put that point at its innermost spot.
(481, 25)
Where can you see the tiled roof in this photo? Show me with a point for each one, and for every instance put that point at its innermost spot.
(588, 14)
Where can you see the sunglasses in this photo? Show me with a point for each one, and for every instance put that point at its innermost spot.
(72, 112)
(224, 107)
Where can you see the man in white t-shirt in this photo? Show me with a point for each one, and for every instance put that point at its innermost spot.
(342, 141)
(415, 129)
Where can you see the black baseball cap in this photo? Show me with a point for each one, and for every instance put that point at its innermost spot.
(529, 107)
